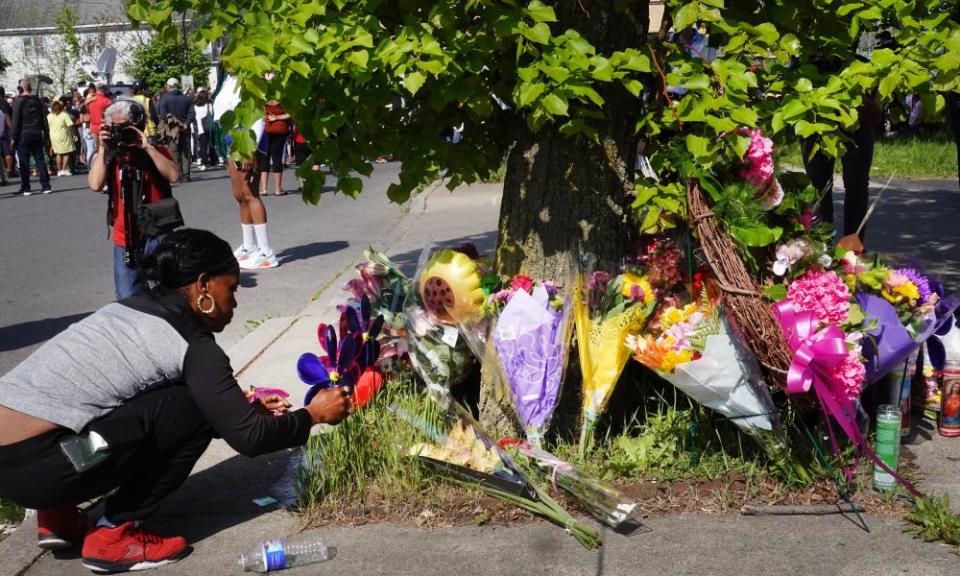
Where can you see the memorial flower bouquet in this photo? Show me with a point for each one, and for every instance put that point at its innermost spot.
(692, 347)
(453, 442)
(606, 309)
(601, 500)
(531, 328)
(901, 308)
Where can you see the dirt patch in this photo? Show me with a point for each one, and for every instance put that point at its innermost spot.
(453, 506)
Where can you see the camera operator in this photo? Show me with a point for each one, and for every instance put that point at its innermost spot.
(133, 168)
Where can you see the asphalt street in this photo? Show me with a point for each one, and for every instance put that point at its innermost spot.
(56, 262)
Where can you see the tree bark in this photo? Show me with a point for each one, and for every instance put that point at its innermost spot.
(567, 195)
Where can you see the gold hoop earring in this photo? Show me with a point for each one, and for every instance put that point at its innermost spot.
(213, 304)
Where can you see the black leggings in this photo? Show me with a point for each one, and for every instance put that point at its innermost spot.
(155, 439)
(856, 178)
(275, 144)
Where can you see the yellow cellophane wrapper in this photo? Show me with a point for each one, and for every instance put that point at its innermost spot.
(608, 355)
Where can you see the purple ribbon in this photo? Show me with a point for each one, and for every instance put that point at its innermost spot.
(816, 353)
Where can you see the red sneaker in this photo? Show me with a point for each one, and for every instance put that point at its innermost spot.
(60, 528)
(128, 547)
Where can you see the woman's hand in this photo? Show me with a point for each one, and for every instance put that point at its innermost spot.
(275, 403)
(331, 405)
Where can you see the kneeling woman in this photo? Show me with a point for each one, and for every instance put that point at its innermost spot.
(128, 399)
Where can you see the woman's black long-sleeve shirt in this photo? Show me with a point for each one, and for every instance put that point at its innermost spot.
(138, 344)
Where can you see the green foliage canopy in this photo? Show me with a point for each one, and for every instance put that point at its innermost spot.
(491, 65)
(164, 56)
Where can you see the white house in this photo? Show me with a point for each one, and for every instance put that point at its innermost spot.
(30, 42)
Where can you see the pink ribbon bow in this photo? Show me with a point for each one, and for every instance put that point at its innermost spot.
(815, 354)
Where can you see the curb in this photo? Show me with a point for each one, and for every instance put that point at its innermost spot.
(254, 345)
(19, 550)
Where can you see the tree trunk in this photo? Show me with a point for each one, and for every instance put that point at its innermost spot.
(567, 195)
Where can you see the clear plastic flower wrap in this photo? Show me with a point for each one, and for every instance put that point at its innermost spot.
(601, 500)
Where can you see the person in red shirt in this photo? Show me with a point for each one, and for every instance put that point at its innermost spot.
(277, 128)
(96, 107)
(159, 171)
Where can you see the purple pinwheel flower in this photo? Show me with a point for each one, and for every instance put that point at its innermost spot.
(338, 368)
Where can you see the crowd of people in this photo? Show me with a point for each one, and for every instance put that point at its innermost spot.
(43, 137)
(149, 387)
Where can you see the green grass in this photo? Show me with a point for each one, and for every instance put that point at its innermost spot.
(10, 513)
(932, 520)
(364, 456)
(929, 156)
(363, 461)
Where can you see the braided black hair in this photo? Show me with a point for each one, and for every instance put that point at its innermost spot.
(184, 255)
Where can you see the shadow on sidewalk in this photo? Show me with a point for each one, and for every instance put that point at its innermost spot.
(917, 227)
(288, 255)
(26, 334)
(222, 496)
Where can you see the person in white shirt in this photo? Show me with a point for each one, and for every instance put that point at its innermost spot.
(255, 252)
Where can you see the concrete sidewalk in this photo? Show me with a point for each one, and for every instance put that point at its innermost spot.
(214, 510)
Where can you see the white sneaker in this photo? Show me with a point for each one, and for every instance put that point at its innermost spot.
(259, 260)
(67, 173)
(242, 253)
(201, 168)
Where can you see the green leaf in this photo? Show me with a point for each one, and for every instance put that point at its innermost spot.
(300, 67)
(539, 33)
(888, 84)
(848, 8)
(541, 12)
(635, 87)
(777, 122)
(529, 92)
(685, 16)
(745, 116)
(697, 82)
(793, 108)
(775, 292)
(528, 73)
(556, 73)
(803, 85)
(351, 186)
(698, 146)
(855, 315)
(790, 43)
(413, 81)
(554, 105)
(757, 235)
(360, 58)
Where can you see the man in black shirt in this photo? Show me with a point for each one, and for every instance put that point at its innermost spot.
(29, 136)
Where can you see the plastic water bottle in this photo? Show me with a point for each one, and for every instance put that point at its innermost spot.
(280, 553)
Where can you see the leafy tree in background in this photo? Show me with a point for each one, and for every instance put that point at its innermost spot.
(565, 90)
(166, 56)
(63, 52)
